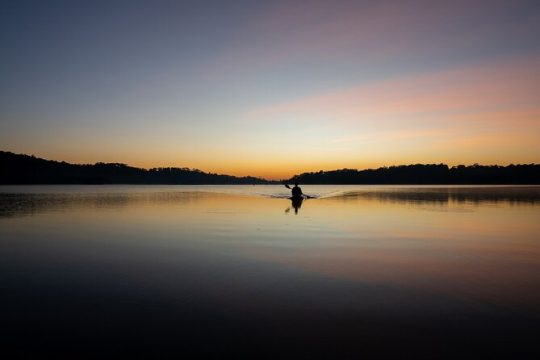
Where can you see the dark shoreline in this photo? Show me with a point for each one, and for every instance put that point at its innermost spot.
(20, 169)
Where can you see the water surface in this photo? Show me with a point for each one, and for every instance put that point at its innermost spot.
(240, 270)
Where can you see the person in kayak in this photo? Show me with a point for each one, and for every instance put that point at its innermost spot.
(296, 198)
(296, 191)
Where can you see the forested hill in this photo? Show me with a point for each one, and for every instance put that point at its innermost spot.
(24, 169)
(427, 174)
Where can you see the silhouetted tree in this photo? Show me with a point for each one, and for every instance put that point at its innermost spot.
(24, 169)
(427, 174)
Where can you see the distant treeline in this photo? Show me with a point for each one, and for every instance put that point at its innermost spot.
(427, 174)
(24, 169)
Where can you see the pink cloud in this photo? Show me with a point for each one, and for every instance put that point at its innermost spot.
(495, 90)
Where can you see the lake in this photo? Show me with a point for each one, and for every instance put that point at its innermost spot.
(241, 271)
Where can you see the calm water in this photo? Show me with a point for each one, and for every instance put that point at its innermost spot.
(217, 271)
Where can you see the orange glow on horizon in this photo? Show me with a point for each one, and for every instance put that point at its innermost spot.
(486, 114)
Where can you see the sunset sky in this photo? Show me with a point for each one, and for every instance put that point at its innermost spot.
(271, 88)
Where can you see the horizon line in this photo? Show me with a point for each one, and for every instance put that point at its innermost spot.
(265, 178)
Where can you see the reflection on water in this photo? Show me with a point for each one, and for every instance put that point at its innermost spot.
(222, 271)
(476, 194)
(296, 204)
(19, 200)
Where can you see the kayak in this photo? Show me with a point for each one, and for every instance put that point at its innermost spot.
(297, 198)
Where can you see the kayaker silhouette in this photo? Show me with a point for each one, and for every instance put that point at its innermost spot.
(297, 197)
(296, 191)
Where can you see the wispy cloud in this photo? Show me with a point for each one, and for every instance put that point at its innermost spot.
(491, 89)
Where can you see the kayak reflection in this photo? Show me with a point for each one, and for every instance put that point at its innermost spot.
(296, 203)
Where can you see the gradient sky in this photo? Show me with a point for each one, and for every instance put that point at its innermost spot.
(271, 88)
